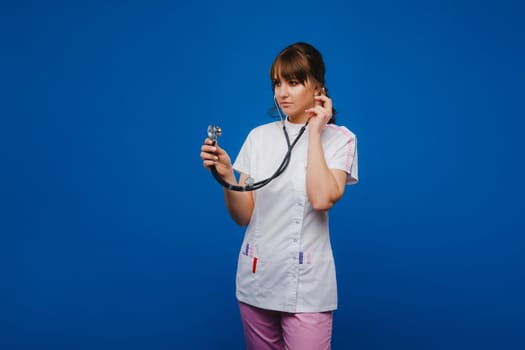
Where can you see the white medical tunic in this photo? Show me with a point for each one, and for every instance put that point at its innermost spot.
(286, 261)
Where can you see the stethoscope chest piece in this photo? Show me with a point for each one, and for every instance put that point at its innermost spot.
(214, 132)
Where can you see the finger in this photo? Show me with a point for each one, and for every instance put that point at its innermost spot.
(209, 141)
(208, 163)
(208, 149)
(206, 156)
(328, 104)
(323, 100)
(325, 111)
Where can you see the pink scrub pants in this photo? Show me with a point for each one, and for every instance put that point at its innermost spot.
(276, 330)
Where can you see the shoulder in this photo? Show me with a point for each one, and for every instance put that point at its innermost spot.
(339, 132)
(265, 130)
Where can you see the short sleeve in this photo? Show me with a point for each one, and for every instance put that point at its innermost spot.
(344, 154)
(353, 174)
(242, 163)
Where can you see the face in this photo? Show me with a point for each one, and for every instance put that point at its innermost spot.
(294, 97)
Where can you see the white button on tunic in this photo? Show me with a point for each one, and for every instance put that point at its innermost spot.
(286, 260)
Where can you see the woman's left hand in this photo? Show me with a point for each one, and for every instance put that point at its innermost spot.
(320, 114)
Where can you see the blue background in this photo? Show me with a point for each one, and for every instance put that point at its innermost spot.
(114, 236)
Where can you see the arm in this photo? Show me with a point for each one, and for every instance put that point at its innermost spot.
(324, 186)
(239, 204)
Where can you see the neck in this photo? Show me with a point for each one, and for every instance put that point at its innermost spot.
(298, 119)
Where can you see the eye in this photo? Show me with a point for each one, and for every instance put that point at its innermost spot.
(293, 83)
(276, 83)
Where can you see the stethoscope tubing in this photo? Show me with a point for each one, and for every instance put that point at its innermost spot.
(257, 185)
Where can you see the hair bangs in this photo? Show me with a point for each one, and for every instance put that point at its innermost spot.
(291, 65)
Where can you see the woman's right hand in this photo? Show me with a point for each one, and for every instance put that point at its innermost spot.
(214, 155)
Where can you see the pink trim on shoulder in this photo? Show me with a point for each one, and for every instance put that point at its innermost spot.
(345, 132)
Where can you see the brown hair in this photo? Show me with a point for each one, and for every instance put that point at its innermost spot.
(301, 62)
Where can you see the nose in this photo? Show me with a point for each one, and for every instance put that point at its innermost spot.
(281, 91)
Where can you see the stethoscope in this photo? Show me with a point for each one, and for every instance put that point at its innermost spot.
(250, 185)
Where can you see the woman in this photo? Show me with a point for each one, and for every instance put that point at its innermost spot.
(286, 283)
